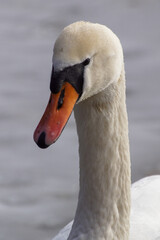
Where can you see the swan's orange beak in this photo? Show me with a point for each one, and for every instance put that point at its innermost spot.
(55, 117)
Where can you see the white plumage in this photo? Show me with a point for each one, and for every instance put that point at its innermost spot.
(103, 211)
(145, 211)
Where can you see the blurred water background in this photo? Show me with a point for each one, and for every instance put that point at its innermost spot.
(38, 188)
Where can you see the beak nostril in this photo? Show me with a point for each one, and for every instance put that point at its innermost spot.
(61, 98)
(41, 141)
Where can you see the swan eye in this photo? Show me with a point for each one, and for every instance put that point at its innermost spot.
(86, 62)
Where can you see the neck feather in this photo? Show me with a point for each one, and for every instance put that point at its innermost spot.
(104, 198)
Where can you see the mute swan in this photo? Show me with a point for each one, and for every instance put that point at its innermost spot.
(88, 69)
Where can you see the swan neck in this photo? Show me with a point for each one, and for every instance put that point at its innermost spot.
(104, 198)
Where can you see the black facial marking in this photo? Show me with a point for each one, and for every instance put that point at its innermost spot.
(72, 75)
(60, 101)
(50, 99)
(57, 80)
(86, 62)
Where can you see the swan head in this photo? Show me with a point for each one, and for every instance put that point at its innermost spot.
(87, 58)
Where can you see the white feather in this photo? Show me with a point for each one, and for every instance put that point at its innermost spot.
(103, 211)
(145, 211)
